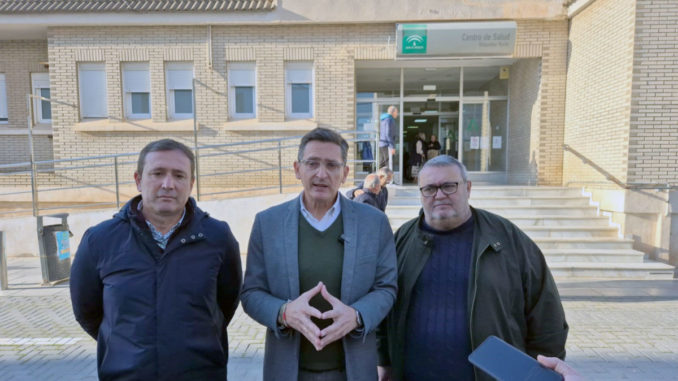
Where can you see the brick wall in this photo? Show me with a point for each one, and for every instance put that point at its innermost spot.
(18, 59)
(653, 145)
(546, 40)
(524, 112)
(599, 91)
(332, 49)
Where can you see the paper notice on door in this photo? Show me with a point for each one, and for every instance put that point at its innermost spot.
(496, 142)
(475, 142)
(485, 142)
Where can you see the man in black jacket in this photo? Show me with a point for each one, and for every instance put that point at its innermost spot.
(464, 274)
(157, 285)
(385, 178)
(371, 190)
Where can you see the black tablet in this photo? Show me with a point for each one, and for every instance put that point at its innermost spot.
(505, 362)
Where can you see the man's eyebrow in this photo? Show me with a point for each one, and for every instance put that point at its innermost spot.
(319, 159)
(166, 169)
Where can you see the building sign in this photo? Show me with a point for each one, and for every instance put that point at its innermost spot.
(461, 39)
(414, 39)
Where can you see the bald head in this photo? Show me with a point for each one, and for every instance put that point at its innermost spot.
(372, 183)
(393, 110)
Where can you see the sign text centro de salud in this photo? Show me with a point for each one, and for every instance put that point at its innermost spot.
(456, 39)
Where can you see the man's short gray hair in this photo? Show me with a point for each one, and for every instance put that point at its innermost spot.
(385, 171)
(371, 181)
(447, 161)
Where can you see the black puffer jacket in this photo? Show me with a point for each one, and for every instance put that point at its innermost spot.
(157, 319)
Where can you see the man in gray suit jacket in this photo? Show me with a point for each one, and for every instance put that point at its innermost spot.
(321, 273)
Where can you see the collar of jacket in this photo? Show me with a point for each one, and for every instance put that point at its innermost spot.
(488, 237)
(194, 215)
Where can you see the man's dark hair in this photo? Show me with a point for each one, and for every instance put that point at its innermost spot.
(165, 145)
(321, 134)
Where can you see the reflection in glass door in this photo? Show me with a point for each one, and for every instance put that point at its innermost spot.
(484, 135)
(368, 118)
(365, 146)
(471, 132)
(449, 136)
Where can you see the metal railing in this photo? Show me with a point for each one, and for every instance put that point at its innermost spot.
(610, 178)
(244, 158)
(3, 263)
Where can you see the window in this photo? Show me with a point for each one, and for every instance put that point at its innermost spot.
(136, 86)
(179, 90)
(42, 109)
(299, 90)
(3, 100)
(241, 90)
(92, 77)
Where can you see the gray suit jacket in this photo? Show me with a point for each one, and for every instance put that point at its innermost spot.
(368, 283)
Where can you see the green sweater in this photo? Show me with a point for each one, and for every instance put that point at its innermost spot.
(321, 258)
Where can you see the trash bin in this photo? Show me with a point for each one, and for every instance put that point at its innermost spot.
(55, 251)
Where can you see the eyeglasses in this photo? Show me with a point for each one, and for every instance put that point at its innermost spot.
(447, 188)
(314, 165)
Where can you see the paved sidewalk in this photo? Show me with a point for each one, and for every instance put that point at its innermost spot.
(619, 330)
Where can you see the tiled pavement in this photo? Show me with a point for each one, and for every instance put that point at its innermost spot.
(620, 330)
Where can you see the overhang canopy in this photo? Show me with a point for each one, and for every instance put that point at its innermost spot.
(107, 6)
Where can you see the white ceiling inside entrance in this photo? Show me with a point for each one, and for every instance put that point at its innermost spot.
(385, 75)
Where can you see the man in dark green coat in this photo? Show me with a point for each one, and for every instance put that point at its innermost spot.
(464, 274)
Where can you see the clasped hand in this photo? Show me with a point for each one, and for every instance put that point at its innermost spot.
(298, 315)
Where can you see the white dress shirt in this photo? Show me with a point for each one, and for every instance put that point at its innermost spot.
(327, 220)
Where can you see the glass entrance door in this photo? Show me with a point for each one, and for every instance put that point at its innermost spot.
(473, 146)
(368, 118)
(449, 136)
(484, 135)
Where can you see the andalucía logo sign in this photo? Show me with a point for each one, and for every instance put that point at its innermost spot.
(414, 39)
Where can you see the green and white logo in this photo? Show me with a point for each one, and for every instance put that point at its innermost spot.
(414, 39)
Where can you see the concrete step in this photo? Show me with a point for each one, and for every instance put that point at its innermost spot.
(584, 231)
(606, 243)
(498, 191)
(403, 211)
(543, 210)
(489, 201)
(575, 240)
(525, 222)
(559, 221)
(644, 270)
(593, 255)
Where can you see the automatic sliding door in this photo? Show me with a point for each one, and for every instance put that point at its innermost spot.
(471, 132)
(484, 136)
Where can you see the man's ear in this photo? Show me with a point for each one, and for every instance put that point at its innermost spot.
(296, 170)
(137, 180)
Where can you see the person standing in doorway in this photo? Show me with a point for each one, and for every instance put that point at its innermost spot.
(421, 148)
(387, 135)
(433, 148)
